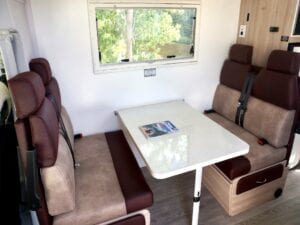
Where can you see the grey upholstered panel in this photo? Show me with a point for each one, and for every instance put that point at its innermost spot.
(225, 101)
(98, 194)
(58, 181)
(269, 121)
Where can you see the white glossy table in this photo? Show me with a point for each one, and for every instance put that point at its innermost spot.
(199, 142)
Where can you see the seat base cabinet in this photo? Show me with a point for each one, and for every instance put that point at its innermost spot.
(225, 190)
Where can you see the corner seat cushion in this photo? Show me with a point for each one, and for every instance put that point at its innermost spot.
(98, 194)
(259, 156)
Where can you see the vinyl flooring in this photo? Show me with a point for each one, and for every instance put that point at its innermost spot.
(173, 204)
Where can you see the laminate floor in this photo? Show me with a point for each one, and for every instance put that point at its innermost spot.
(173, 204)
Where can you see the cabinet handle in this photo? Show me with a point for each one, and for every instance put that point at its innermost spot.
(261, 181)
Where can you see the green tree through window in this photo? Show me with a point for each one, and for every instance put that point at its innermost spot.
(144, 34)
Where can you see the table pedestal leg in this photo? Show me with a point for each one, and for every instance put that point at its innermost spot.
(197, 192)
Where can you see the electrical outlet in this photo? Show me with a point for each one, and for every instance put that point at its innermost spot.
(150, 72)
(242, 32)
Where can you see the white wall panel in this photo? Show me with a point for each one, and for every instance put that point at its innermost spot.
(63, 37)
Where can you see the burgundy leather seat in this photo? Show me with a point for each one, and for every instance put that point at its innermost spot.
(268, 124)
(105, 187)
(277, 84)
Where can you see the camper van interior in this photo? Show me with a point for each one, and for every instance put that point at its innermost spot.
(142, 112)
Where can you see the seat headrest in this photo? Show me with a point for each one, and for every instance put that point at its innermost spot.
(42, 67)
(284, 62)
(236, 69)
(278, 83)
(28, 93)
(241, 53)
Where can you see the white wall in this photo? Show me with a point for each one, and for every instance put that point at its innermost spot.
(63, 37)
(5, 20)
(13, 15)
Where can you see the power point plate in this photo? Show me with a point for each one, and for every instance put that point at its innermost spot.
(242, 31)
(150, 72)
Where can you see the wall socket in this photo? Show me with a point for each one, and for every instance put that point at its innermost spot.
(150, 72)
(242, 32)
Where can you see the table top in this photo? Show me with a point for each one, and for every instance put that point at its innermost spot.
(199, 141)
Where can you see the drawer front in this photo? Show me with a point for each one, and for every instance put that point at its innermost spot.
(259, 178)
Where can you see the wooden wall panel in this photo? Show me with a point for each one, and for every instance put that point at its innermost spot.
(263, 15)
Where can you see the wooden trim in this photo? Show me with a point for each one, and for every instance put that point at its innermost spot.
(294, 39)
(263, 15)
(224, 190)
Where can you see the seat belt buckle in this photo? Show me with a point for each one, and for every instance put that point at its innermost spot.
(262, 141)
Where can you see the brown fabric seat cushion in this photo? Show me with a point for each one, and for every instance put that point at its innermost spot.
(135, 220)
(259, 156)
(262, 119)
(269, 121)
(42, 67)
(236, 68)
(136, 191)
(277, 84)
(28, 93)
(45, 131)
(226, 101)
(59, 182)
(234, 74)
(98, 194)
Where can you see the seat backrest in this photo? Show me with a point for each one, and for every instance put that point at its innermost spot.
(42, 67)
(233, 76)
(272, 107)
(236, 68)
(42, 128)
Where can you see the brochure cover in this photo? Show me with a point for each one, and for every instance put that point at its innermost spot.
(157, 129)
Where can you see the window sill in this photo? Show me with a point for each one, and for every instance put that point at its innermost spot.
(102, 69)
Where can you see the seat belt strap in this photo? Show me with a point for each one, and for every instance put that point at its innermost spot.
(34, 200)
(244, 104)
(243, 100)
(63, 128)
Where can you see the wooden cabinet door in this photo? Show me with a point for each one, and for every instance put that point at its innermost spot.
(259, 16)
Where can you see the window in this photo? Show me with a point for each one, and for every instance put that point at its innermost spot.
(139, 35)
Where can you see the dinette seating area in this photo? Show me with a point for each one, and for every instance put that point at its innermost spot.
(102, 184)
(246, 181)
(95, 179)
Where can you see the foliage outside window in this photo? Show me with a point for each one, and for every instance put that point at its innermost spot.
(127, 35)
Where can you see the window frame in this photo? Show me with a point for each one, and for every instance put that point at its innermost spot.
(100, 68)
(296, 15)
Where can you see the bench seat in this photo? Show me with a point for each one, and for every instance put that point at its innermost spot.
(264, 107)
(100, 194)
(107, 188)
(259, 156)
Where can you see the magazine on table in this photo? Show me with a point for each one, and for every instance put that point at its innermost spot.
(157, 129)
